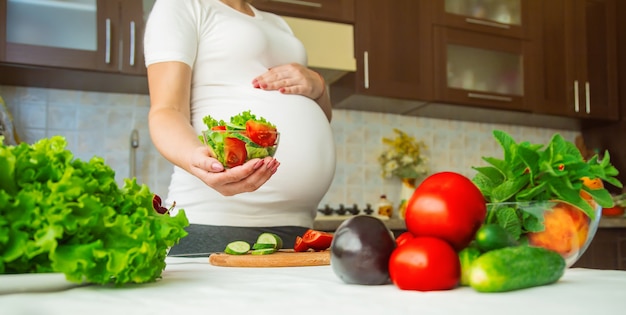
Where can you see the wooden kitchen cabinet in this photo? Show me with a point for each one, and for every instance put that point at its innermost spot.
(484, 53)
(482, 70)
(499, 17)
(341, 11)
(579, 59)
(610, 135)
(393, 49)
(95, 35)
(606, 251)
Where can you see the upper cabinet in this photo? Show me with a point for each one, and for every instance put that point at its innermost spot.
(328, 10)
(483, 53)
(393, 48)
(101, 35)
(579, 58)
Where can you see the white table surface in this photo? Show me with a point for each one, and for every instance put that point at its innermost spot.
(193, 286)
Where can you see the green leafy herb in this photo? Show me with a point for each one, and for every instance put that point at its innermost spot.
(60, 214)
(532, 172)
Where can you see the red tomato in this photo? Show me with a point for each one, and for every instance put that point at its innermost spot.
(403, 237)
(446, 205)
(299, 245)
(425, 264)
(613, 211)
(235, 152)
(218, 128)
(317, 240)
(261, 133)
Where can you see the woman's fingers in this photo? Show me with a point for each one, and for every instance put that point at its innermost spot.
(291, 79)
(244, 178)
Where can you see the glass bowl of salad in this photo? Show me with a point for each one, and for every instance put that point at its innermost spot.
(554, 225)
(234, 147)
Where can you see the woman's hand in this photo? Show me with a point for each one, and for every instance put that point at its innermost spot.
(228, 182)
(295, 78)
(291, 78)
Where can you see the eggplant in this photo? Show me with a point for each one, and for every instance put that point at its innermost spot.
(360, 251)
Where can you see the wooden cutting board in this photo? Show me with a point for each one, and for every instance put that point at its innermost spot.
(281, 258)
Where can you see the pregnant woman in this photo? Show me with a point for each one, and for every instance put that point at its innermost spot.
(220, 58)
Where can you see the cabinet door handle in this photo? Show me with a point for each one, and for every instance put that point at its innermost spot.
(131, 62)
(487, 23)
(302, 3)
(107, 43)
(576, 100)
(490, 97)
(587, 98)
(366, 69)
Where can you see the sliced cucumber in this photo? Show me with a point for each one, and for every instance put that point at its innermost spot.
(237, 248)
(270, 238)
(264, 251)
(263, 245)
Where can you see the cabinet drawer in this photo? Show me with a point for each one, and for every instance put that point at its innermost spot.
(328, 10)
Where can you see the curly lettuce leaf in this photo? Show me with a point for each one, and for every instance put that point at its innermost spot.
(239, 121)
(61, 214)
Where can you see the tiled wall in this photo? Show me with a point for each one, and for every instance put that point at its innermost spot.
(101, 124)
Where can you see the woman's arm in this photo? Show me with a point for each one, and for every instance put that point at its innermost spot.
(169, 116)
(169, 121)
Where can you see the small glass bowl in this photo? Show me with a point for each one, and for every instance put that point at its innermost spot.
(259, 145)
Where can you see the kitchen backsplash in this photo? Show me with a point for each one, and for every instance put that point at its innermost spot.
(100, 124)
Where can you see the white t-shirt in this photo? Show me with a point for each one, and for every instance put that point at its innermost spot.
(227, 50)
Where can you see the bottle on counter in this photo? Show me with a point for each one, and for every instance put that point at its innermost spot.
(385, 207)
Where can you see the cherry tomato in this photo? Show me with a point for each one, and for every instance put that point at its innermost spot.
(317, 240)
(446, 205)
(425, 264)
(299, 245)
(403, 237)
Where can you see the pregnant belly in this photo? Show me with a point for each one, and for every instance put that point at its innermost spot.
(306, 148)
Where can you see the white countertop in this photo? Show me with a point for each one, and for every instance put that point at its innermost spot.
(193, 286)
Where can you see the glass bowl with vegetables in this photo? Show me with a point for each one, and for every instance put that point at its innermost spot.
(547, 196)
(554, 225)
(243, 138)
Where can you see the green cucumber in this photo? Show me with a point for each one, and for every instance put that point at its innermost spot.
(263, 245)
(467, 256)
(270, 238)
(493, 236)
(237, 248)
(514, 268)
(264, 251)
